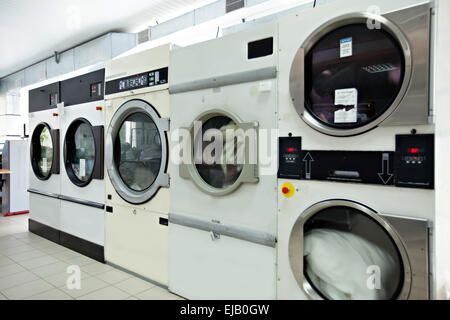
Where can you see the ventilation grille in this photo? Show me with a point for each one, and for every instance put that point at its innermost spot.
(232, 5)
(143, 36)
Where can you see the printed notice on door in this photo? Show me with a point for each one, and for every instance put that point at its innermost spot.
(82, 168)
(346, 47)
(346, 97)
(44, 164)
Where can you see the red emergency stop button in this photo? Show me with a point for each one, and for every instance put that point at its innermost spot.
(288, 189)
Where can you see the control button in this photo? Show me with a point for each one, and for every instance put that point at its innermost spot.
(288, 190)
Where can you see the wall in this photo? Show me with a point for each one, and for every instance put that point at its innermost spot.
(441, 103)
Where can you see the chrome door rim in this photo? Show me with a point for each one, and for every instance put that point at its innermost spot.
(296, 78)
(162, 179)
(249, 172)
(296, 245)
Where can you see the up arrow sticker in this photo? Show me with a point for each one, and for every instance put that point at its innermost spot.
(307, 160)
(385, 176)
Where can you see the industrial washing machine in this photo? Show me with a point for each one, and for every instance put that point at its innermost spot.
(136, 158)
(44, 175)
(223, 222)
(356, 152)
(82, 180)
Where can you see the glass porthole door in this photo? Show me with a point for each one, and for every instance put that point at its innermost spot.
(137, 151)
(346, 78)
(220, 167)
(44, 151)
(342, 250)
(83, 152)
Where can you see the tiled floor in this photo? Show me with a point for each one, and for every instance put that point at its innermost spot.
(32, 267)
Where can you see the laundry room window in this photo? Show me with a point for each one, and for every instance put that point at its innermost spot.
(138, 151)
(219, 167)
(350, 256)
(352, 76)
(45, 151)
(80, 148)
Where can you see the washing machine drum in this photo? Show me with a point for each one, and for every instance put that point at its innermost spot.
(352, 76)
(44, 148)
(80, 152)
(349, 256)
(137, 151)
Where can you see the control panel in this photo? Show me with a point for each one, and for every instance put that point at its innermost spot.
(82, 89)
(44, 98)
(411, 165)
(414, 161)
(54, 98)
(97, 89)
(370, 167)
(290, 149)
(138, 81)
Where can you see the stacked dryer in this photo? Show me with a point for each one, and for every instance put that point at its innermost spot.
(82, 185)
(223, 222)
(356, 152)
(137, 154)
(44, 176)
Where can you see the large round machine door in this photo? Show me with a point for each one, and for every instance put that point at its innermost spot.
(343, 250)
(223, 153)
(44, 151)
(83, 148)
(137, 151)
(347, 78)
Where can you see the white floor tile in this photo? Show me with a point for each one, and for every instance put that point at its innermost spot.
(65, 255)
(53, 249)
(27, 290)
(18, 257)
(38, 262)
(60, 279)
(156, 293)
(2, 297)
(88, 285)
(53, 294)
(4, 261)
(113, 276)
(108, 293)
(131, 298)
(96, 268)
(8, 251)
(51, 269)
(79, 260)
(44, 244)
(16, 279)
(134, 285)
(11, 269)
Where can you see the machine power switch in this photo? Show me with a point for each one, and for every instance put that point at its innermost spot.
(288, 190)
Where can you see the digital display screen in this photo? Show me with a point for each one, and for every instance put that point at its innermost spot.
(96, 89)
(415, 150)
(134, 82)
(53, 99)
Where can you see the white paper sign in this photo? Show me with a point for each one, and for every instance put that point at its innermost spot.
(82, 172)
(343, 116)
(44, 164)
(346, 97)
(346, 47)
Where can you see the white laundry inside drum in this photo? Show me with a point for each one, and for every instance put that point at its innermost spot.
(339, 265)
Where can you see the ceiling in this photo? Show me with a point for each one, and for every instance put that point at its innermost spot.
(31, 30)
